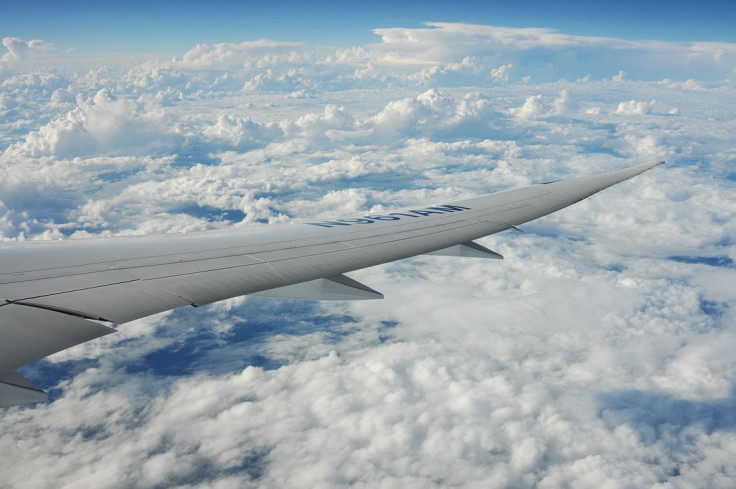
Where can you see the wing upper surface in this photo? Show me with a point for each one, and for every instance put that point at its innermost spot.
(121, 279)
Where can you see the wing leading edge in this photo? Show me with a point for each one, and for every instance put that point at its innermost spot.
(54, 295)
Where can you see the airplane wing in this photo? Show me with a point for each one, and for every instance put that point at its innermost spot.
(57, 294)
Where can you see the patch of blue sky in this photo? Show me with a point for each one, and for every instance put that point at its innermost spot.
(661, 417)
(168, 26)
(252, 329)
(210, 213)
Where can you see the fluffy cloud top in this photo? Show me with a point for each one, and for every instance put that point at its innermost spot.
(104, 124)
(20, 51)
(536, 108)
(547, 53)
(635, 107)
(227, 54)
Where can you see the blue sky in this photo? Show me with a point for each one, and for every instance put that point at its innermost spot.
(165, 26)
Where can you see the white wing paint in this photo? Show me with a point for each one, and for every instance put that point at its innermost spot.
(54, 295)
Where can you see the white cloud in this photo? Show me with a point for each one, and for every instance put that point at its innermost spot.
(647, 147)
(20, 52)
(103, 125)
(635, 107)
(533, 108)
(303, 93)
(536, 107)
(431, 112)
(318, 125)
(447, 42)
(501, 73)
(242, 133)
(223, 55)
(688, 84)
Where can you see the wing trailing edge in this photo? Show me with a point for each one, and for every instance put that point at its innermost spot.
(16, 390)
(28, 333)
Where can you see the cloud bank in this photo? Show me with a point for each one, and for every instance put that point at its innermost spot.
(597, 354)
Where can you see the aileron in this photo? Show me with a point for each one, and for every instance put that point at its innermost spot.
(16, 390)
(30, 333)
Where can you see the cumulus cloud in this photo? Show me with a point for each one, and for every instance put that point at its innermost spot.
(648, 146)
(431, 112)
(222, 55)
(242, 133)
(536, 107)
(19, 52)
(501, 73)
(104, 124)
(470, 68)
(440, 42)
(688, 84)
(635, 107)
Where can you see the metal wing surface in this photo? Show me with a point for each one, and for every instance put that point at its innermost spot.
(54, 295)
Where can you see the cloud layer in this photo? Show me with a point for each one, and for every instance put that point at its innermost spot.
(597, 354)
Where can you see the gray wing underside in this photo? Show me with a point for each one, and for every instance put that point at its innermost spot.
(54, 295)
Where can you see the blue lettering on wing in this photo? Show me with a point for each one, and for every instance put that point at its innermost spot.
(383, 218)
(329, 224)
(450, 208)
(394, 216)
(426, 213)
(358, 220)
